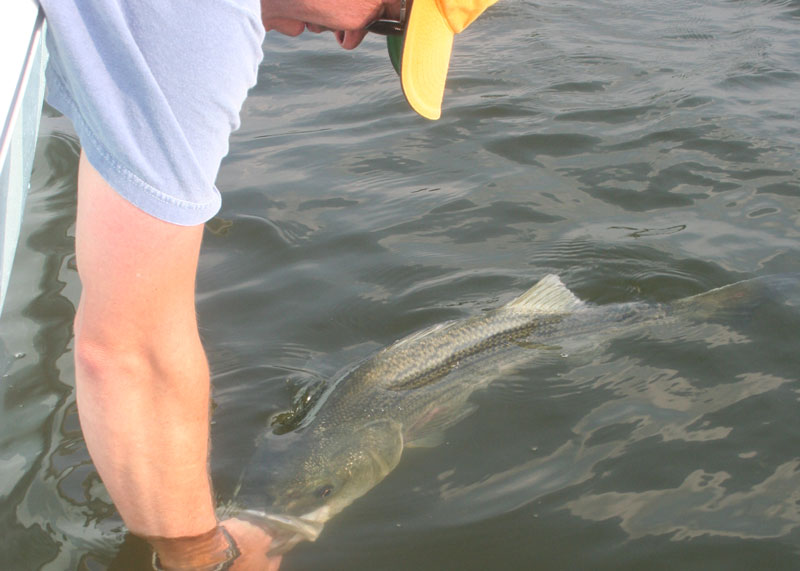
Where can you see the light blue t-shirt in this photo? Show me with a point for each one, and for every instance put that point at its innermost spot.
(154, 89)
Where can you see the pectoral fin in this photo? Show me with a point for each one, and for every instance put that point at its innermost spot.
(428, 432)
(383, 439)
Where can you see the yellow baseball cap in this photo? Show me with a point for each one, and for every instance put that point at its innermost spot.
(424, 55)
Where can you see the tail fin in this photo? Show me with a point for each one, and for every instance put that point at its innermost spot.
(743, 297)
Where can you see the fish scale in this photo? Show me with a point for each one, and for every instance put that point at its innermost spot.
(411, 391)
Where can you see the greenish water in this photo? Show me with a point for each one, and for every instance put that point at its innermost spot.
(642, 151)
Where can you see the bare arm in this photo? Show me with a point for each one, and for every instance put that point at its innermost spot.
(142, 378)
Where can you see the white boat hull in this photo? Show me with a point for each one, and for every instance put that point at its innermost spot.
(24, 59)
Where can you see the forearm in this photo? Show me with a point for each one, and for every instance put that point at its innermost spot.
(141, 374)
(142, 380)
(145, 415)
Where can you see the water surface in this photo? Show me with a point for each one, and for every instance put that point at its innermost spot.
(642, 151)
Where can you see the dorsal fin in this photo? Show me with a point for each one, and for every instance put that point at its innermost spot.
(549, 295)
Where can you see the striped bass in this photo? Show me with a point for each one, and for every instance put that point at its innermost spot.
(408, 393)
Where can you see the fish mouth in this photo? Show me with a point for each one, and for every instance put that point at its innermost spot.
(287, 530)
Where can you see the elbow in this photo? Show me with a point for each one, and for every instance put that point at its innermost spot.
(99, 360)
(103, 354)
(115, 357)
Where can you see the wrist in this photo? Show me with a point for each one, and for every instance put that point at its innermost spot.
(214, 550)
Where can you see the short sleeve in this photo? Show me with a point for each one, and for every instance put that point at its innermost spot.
(154, 88)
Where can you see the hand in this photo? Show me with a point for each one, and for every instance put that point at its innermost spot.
(346, 18)
(348, 39)
(253, 543)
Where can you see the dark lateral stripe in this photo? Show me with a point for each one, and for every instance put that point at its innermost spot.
(499, 340)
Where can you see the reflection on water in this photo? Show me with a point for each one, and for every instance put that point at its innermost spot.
(641, 406)
(642, 151)
(702, 505)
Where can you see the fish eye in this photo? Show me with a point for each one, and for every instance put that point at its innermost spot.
(324, 491)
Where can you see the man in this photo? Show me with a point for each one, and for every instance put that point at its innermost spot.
(154, 89)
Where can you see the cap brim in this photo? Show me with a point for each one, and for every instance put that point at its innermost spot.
(427, 44)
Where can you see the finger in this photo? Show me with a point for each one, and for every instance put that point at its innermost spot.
(350, 39)
(253, 543)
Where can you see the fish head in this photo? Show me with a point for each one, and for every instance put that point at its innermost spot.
(343, 464)
(320, 473)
